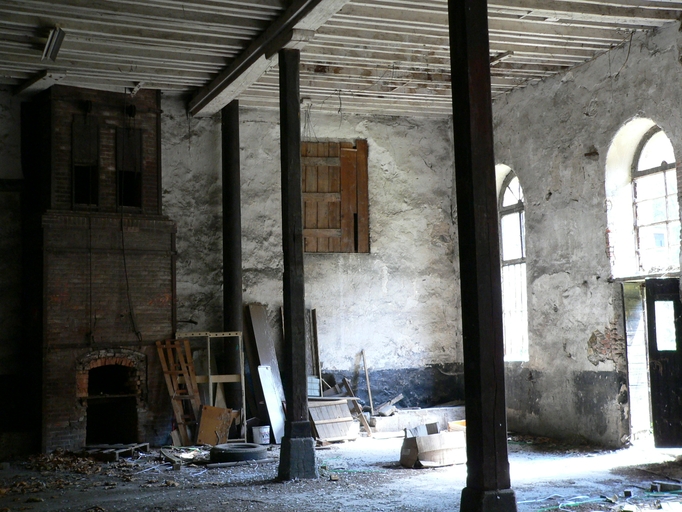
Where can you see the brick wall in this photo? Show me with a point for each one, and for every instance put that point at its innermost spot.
(109, 110)
(102, 278)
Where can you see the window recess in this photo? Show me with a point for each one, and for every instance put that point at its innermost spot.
(85, 162)
(129, 167)
(656, 212)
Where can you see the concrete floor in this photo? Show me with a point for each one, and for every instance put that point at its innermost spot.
(545, 476)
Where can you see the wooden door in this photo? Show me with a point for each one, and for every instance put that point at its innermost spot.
(664, 318)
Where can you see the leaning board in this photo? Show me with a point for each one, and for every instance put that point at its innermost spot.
(272, 402)
(333, 420)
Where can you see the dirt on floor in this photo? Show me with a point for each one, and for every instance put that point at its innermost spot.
(361, 475)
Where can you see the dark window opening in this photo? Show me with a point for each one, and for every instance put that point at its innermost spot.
(129, 189)
(85, 185)
(85, 162)
(129, 167)
(112, 405)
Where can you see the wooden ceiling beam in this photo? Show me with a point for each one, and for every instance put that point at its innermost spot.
(43, 80)
(303, 15)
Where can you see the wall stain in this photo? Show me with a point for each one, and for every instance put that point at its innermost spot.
(607, 346)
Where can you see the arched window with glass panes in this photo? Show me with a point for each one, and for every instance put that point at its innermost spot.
(656, 213)
(513, 258)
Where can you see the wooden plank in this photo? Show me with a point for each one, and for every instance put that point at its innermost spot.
(348, 199)
(317, 366)
(322, 197)
(323, 186)
(203, 379)
(273, 402)
(265, 344)
(355, 407)
(369, 388)
(310, 207)
(323, 160)
(220, 397)
(333, 421)
(363, 196)
(334, 208)
(329, 233)
(214, 426)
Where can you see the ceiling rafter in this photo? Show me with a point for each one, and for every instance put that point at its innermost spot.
(369, 56)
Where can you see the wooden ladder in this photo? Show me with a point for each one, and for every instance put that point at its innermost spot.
(178, 369)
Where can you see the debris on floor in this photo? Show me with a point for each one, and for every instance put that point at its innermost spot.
(425, 446)
(350, 474)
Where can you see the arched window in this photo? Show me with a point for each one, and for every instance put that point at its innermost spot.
(654, 192)
(643, 236)
(513, 257)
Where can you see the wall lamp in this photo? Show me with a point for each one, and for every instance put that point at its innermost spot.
(54, 43)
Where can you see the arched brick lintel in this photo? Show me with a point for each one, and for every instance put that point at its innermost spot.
(121, 356)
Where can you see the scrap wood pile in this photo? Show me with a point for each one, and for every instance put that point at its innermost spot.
(335, 415)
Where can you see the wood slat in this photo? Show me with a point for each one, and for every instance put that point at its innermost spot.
(363, 196)
(349, 199)
(323, 187)
(322, 197)
(321, 160)
(334, 208)
(310, 207)
(319, 232)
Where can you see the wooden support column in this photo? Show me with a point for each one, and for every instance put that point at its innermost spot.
(297, 458)
(488, 484)
(232, 220)
(228, 357)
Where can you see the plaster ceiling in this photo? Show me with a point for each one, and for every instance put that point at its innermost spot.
(364, 56)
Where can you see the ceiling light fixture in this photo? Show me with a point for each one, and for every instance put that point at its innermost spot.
(54, 43)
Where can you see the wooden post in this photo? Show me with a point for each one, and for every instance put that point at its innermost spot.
(297, 458)
(232, 220)
(227, 356)
(488, 483)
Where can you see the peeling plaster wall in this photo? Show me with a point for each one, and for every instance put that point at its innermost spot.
(575, 382)
(400, 302)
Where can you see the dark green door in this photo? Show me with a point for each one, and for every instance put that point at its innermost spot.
(664, 317)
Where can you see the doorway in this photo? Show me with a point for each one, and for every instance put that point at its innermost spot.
(664, 331)
(638, 363)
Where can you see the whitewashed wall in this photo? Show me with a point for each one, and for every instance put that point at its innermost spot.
(400, 303)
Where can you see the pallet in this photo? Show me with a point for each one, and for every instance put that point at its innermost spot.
(112, 452)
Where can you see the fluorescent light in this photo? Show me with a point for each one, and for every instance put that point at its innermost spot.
(54, 43)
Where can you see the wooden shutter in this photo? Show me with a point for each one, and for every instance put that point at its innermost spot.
(335, 196)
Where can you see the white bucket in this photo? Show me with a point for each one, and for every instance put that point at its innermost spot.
(261, 435)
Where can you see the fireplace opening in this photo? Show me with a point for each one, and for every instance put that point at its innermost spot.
(112, 405)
